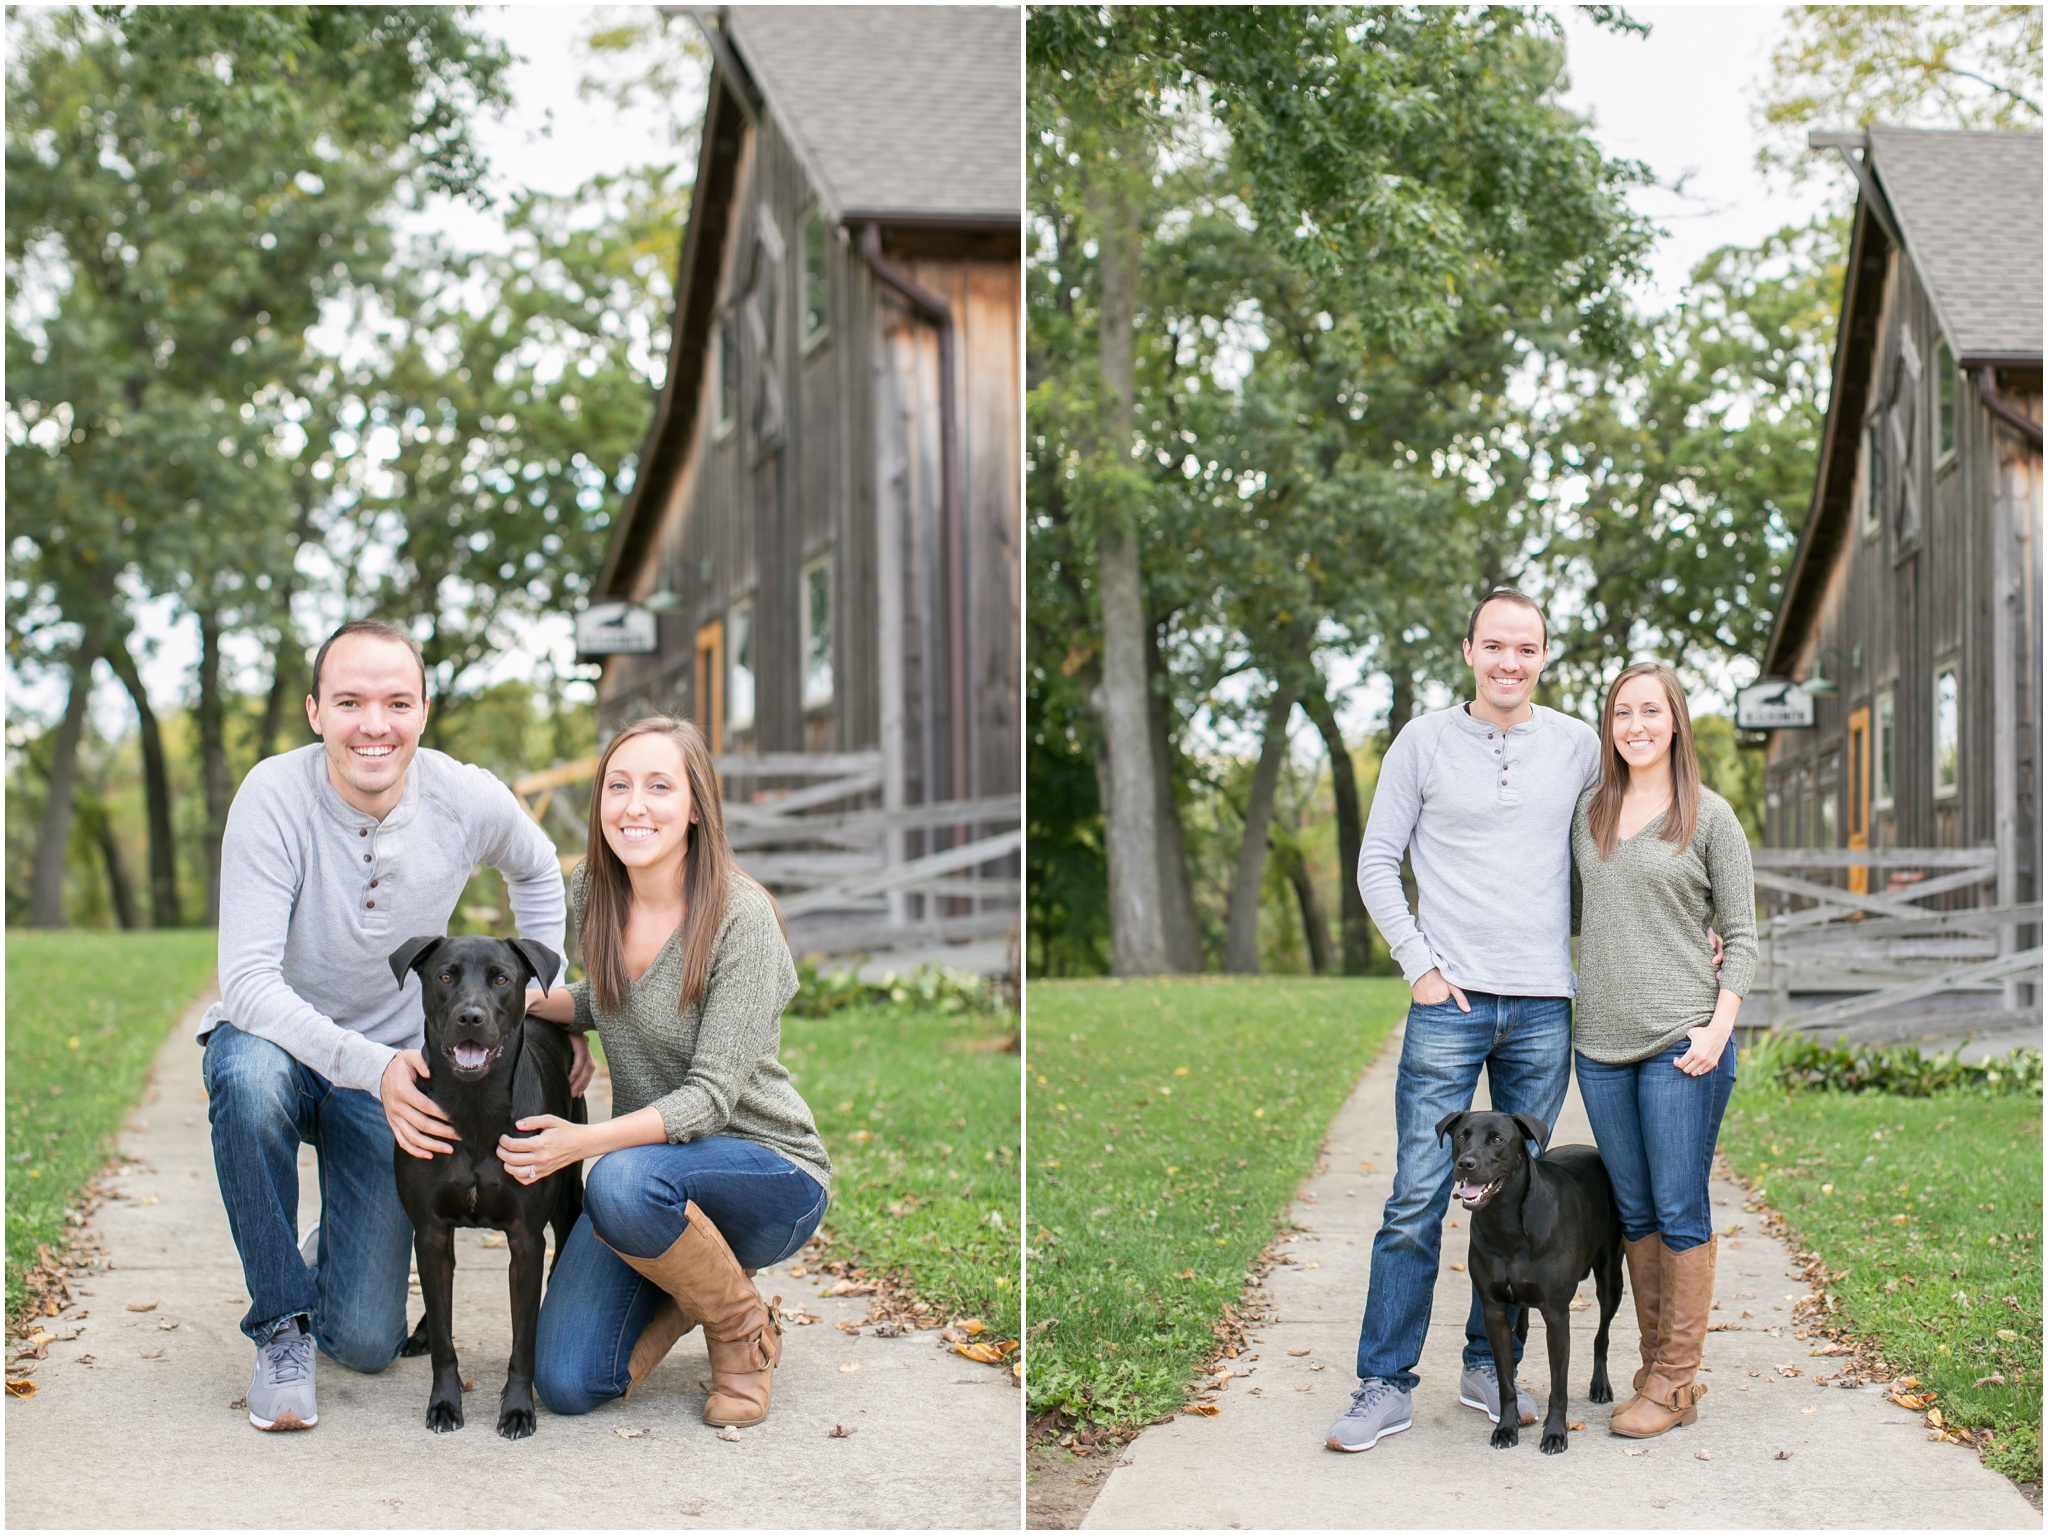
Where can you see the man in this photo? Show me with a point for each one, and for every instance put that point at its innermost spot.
(333, 855)
(1480, 798)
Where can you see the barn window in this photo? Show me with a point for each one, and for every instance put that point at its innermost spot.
(816, 244)
(725, 373)
(1865, 503)
(817, 600)
(1948, 729)
(1882, 736)
(739, 655)
(1944, 402)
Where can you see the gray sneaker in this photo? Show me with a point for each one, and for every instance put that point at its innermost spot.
(1479, 1387)
(281, 1390)
(1378, 1408)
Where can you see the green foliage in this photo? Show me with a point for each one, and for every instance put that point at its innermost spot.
(1172, 1122)
(1908, 66)
(918, 1110)
(77, 1058)
(929, 988)
(1799, 1062)
(1926, 1214)
(1731, 770)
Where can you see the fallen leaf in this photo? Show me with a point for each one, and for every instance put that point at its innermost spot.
(630, 1433)
(1458, 1268)
(21, 1388)
(853, 1327)
(971, 1326)
(1990, 1380)
(851, 1287)
(491, 1239)
(980, 1353)
(165, 1324)
(1187, 1273)
(1782, 1455)
(1296, 1353)
(1319, 1366)
(1575, 1427)
(729, 1434)
(890, 1329)
(796, 1316)
(1643, 1451)
(849, 1367)
(152, 1353)
(1202, 1409)
(1811, 1408)
(1702, 1454)
(470, 1384)
(1579, 1303)
(1934, 1419)
(797, 1271)
(839, 1431)
(142, 1305)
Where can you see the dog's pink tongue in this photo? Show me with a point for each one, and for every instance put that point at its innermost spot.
(1470, 1191)
(470, 1056)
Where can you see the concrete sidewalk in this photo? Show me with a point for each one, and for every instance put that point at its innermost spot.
(1854, 1459)
(137, 1421)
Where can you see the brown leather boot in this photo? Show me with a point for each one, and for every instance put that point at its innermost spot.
(1645, 1261)
(741, 1332)
(654, 1342)
(1670, 1393)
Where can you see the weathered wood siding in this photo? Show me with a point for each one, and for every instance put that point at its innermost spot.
(1911, 589)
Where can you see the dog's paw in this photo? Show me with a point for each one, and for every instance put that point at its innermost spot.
(417, 1344)
(444, 1417)
(1555, 1441)
(1507, 1436)
(516, 1422)
(1600, 1391)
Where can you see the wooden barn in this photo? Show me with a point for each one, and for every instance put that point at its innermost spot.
(1912, 613)
(826, 521)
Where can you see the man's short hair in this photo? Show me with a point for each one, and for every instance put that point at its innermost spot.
(1506, 594)
(375, 628)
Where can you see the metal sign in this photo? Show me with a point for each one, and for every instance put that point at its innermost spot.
(1773, 705)
(616, 629)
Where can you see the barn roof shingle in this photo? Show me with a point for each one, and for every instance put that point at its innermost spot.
(910, 112)
(1969, 207)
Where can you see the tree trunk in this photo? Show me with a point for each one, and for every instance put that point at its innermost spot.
(53, 836)
(283, 667)
(1315, 926)
(1176, 890)
(1354, 924)
(92, 815)
(213, 758)
(156, 782)
(1241, 935)
(1401, 672)
(1136, 916)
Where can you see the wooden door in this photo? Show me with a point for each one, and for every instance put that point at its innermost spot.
(711, 683)
(1859, 794)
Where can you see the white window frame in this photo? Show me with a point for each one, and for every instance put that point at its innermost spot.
(742, 676)
(818, 685)
(1952, 670)
(1884, 729)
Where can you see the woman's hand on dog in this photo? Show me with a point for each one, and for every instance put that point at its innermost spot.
(416, 1120)
(555, 1145)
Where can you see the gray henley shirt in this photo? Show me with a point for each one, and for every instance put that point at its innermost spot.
(315, 895)
(1484, 817)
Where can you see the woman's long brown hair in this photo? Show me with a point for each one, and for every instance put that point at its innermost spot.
(707, 869)
(1603, 816)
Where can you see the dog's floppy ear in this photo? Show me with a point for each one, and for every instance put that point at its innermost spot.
(543, 961)
(407, 955)
(1534, 1128)
(1448, 1124)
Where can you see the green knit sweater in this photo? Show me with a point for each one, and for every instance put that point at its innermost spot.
(1646, 968)
(712, 1068)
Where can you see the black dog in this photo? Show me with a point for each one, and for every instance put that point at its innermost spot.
(488, 1067)
(1538, 1225)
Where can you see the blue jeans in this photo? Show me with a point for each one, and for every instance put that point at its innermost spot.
(262, 1104)
(597, 1305)
(1525, 1044)
(1656, 1127)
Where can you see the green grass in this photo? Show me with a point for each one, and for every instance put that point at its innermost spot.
(1951, 1293)
(1172, 1122)
(919, 1112)
(86, 1014)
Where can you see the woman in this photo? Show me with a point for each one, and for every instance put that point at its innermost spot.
(712, 1166)
(1656, 858)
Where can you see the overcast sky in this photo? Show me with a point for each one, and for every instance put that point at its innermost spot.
(1679, 99)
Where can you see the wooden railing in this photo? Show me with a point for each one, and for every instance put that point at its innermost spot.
(1856, 961)
(849, 877)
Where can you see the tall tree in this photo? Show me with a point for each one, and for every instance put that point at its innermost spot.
(186, 188)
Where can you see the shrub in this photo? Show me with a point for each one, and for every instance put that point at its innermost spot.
(1796, 1061)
